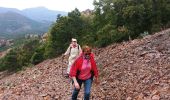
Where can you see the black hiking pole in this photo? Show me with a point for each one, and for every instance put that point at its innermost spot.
(62, 65)
(63, 68)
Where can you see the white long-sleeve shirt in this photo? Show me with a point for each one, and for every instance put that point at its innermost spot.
(73, 53)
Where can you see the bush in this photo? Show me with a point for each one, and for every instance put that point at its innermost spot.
(156, 28)
(26, 51)
(18, 57)
(109, 34)
(38, 55)
(10, 62)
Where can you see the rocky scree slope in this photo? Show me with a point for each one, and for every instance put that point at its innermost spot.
(134, 70)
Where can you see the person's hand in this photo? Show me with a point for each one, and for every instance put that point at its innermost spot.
(63, 55)
(77, 86)
(96, 81)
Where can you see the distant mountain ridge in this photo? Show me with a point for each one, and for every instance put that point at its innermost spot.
(40, 14)
(4, 10)
(32, 20)
(15, 23)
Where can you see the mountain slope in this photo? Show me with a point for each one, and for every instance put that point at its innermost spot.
(4, 10)
(32, 20)
(42, 14)
(134, 70)
(14, 23)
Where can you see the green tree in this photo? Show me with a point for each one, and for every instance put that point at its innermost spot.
(38, 55)
(65, 28)
(26, 51)
(10, 62)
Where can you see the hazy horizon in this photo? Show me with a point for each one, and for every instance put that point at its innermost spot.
(64, 5)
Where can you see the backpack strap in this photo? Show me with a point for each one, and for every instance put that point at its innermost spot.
(70, 50)
(78, 48)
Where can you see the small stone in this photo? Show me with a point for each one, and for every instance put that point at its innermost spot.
(131, 62)
(156, 97)
(128, 98)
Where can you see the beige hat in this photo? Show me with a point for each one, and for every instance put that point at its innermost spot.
(74, 40)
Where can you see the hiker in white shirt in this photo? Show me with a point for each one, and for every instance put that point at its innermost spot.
(73, 51)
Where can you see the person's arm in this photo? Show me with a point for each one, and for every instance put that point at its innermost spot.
(67, 51)
(73, 73)
(77, 86)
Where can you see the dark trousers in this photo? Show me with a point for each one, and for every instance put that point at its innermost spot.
(87, 89)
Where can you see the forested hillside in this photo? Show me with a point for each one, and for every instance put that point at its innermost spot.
(111, 21)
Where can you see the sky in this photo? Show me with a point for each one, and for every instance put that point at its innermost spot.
(60, 5)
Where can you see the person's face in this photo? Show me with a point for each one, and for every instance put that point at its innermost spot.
(74, 42)
(87, 52)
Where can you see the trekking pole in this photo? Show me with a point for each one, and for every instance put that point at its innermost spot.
(71, 86)
(62, 65)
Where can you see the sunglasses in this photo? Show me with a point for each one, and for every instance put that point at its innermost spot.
(87, 52)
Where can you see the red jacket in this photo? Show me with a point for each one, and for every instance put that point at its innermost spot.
(78, 64)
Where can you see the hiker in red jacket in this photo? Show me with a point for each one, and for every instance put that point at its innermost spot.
(82, 71)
